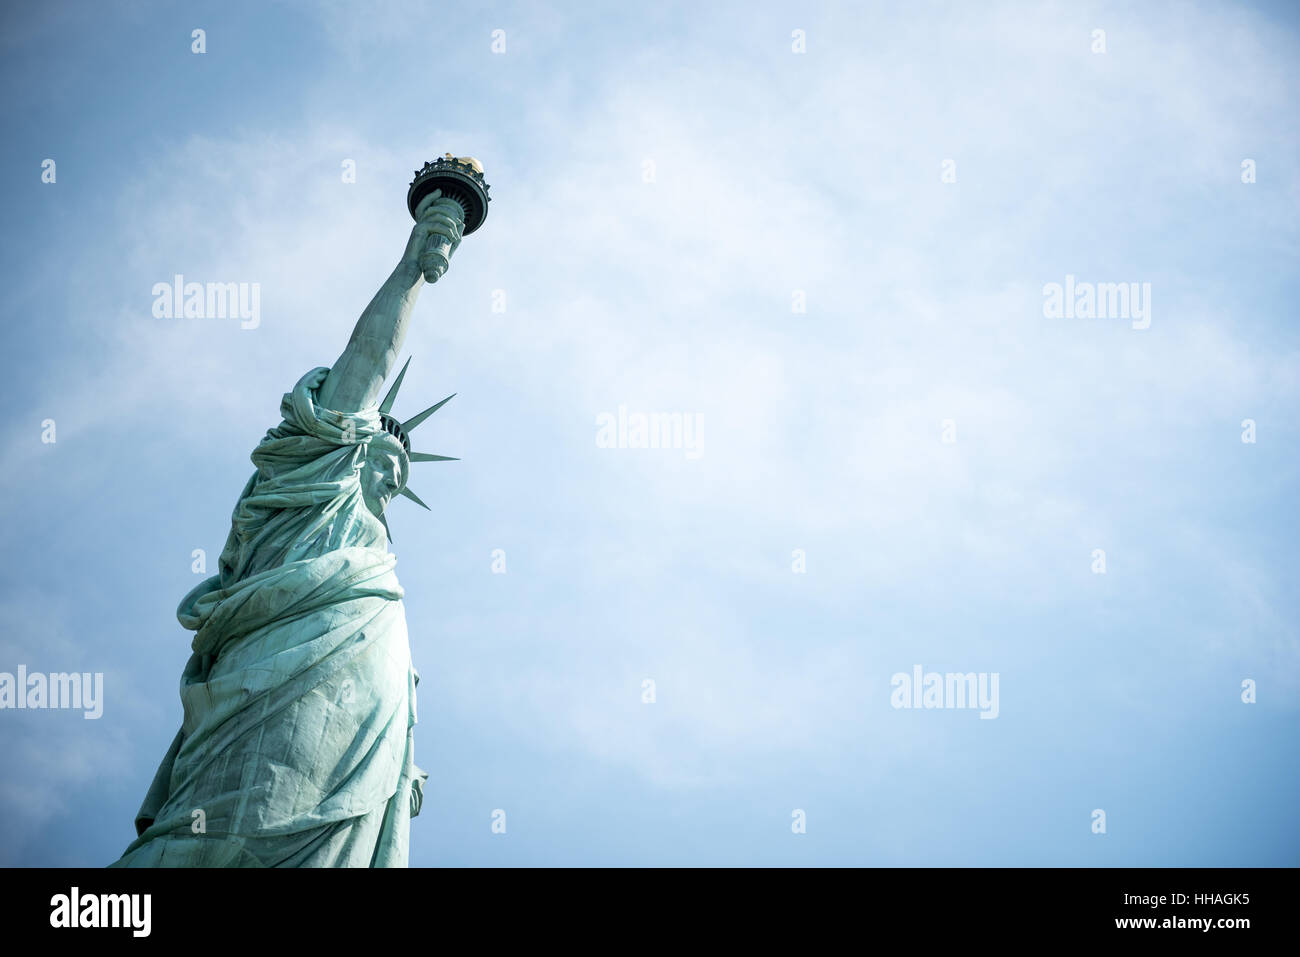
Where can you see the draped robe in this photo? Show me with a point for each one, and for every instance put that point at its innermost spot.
(295, 749)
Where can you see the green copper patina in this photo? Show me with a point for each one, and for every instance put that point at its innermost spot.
(295, 749)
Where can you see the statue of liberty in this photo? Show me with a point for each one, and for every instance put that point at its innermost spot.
(296, 744)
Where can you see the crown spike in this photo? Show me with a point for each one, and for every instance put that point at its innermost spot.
(388, 530)
(414, 498)
(387, 404)
(426, 457)
(411, 423)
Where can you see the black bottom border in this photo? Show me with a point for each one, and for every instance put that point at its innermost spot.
(404, 907)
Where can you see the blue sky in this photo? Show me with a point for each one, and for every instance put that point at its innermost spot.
(823, 431)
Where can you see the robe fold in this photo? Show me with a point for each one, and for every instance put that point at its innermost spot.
(295, 748)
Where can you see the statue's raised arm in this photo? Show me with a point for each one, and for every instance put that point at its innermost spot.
(355, 379)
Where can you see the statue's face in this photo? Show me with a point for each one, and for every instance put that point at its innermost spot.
(383, 475)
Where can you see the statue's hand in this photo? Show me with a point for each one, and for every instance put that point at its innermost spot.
(439, 226)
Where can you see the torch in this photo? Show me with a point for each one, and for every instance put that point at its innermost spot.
(461, 180)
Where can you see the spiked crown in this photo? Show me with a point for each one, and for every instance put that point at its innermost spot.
(401, 430)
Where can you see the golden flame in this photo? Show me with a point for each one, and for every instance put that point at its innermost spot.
(478, 167)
